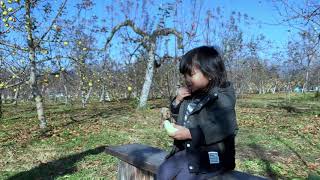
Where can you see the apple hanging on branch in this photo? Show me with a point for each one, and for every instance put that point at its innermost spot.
(5, 13)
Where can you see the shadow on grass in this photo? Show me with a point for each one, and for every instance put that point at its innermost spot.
(92, 115)
(56, 168)
(76, 118)
(260, 152)
(98, 113)
(307, 140)
(293, 151)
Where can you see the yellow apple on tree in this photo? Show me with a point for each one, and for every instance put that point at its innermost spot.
(44, 51)
(3, 5)
(5, 13)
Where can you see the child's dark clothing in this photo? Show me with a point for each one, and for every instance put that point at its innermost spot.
(211, 120)
(176, 167)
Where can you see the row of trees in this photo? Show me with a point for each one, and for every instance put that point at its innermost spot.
(133, 52)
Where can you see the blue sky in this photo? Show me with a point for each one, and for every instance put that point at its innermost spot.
(265, 15)
(263, 12)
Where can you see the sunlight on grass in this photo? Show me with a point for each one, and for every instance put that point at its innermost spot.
(271, 141)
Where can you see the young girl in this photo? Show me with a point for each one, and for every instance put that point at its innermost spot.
(206, 121)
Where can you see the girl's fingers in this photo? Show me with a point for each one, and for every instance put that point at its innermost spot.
(183, 92)
(186, 94)
(177, 126)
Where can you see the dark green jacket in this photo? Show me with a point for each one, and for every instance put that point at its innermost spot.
(213, 126)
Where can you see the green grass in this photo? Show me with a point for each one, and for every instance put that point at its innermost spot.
(271, 141)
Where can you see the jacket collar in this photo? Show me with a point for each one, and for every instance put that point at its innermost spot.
(213, 94)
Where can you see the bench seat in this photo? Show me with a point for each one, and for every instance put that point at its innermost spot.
(138, 161)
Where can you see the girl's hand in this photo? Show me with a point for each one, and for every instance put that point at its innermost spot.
(182, 93)
(182, 133)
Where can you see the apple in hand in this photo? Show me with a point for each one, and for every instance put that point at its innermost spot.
(169, 128)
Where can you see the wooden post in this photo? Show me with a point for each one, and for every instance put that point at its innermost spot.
(127, 171)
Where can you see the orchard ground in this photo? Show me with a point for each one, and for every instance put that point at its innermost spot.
(279, 137)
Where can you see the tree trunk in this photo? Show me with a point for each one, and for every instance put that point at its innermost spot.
(305, 84)
(167, 83)
(273, 90)
(81, 88)
(66, 98)
(0, 103)
(104, 94)
(33, 69)
(87, 96)
(83, 94)
(3, 99)
(16, 95)
(148, 78)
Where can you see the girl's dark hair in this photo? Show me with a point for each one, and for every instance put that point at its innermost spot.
(209, 61)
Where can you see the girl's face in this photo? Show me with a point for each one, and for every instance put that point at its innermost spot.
(196, 81)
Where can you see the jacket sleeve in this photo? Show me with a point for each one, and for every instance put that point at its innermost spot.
(174, 108)
(220, 121)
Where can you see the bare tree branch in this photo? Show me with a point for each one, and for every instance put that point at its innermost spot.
(53, 21)
(168, 31)
(13, 46)
(308, 17)
(12, 85)
(51, 58)
(125, 23)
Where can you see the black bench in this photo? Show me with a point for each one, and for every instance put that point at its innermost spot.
(139, 162)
